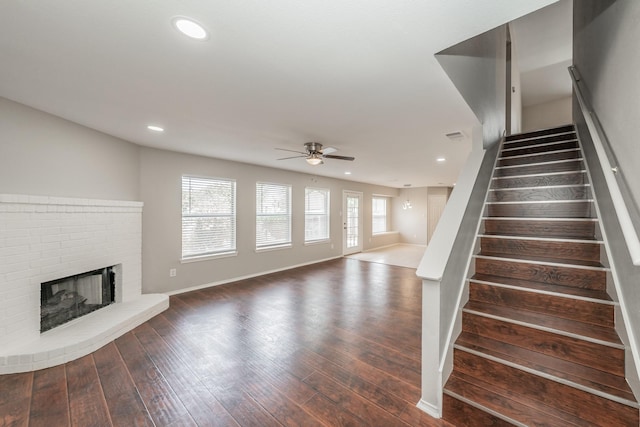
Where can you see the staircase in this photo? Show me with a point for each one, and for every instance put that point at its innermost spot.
(538, 345)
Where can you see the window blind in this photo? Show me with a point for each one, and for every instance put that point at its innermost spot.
(273, 215)
(208, 216)
(316, 214)
(379, 215)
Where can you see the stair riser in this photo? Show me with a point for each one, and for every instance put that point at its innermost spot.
(538, 248)
(560, 132)
(540, 194)
(564, 166)
(539, 158)
(462, 414)
(550, 274)
(556, 395)
(541, 210)
(574, 178)
(567, 308)
(509, 151)
(587, 353)
(527, 143)
(557, 229)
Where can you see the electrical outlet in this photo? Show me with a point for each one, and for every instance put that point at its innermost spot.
(172, 272)
(332, 246)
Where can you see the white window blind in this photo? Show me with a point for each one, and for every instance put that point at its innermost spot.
(379, 214)
(273, 215)
(316, 214)
(208, 216)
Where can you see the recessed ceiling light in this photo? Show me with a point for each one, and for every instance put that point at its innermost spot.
(155, 128)
(440, 159)
(347, 173)
(190, 28)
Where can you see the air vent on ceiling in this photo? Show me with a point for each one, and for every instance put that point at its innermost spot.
(455, 136)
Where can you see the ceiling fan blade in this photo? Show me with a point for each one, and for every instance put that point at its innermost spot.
(329, 150)
(293, 157)
(293, 151)
(339, 157)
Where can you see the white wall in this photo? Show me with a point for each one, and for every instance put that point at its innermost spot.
(516, 86)
(411, 224)
(547, 115)
(161, 173)
(606, 34)
(41, 154)
(606, 53)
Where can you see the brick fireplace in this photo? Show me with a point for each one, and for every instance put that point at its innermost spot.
(44, 239)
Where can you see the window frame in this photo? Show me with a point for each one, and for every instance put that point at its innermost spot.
(375, 215)
(325, 215)
(286, 243)
(231, 249)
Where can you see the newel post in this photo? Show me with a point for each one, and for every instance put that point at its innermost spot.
(431, 399)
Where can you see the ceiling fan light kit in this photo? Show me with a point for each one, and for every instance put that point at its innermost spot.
(314, 159)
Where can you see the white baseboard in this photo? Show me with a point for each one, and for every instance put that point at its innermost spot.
(249, 276)
(429, 408)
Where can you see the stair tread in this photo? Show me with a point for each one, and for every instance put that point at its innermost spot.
(590, 239)
(533, 260)
(576, 329)
(506, 403)
(594, 380)
(539, 286)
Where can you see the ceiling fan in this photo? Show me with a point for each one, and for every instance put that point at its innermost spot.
(314, 154)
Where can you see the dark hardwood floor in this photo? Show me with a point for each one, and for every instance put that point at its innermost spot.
(336, 343)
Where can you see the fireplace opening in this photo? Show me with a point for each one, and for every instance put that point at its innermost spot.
(68, 298)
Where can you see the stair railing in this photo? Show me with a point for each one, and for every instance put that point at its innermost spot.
(609, 168)
(443, 270)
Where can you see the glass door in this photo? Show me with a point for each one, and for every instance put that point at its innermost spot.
(352, 222)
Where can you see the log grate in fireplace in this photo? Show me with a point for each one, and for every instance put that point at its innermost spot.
(68, 298)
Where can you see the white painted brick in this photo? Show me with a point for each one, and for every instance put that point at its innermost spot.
(16, 241)
(44, 262)
(8, 265)
(22, 274)
(13, 360)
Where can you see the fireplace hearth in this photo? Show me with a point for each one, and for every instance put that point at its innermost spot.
(68, 298)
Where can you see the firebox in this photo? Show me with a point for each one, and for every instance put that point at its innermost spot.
(68, 298)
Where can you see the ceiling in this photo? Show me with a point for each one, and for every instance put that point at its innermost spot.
(357, 75)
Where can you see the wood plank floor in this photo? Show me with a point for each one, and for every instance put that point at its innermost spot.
(332, 344)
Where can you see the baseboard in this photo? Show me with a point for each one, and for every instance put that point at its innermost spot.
(249, 276)
(429, 408)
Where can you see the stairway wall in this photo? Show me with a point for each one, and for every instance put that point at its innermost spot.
(606, 34)
(477, 67)
(627, 275)
(605, 47)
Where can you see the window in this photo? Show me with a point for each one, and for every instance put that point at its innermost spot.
(208, 216)
(273, 215)
(379, 212)
(316, 214)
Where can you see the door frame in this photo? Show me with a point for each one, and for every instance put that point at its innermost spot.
(359, 247)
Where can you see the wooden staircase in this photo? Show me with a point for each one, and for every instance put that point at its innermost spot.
(538, 345)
